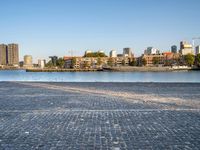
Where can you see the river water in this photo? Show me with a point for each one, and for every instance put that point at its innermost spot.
(22, 75)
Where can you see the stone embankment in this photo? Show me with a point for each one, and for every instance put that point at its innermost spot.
(62, 70)
(147, 69)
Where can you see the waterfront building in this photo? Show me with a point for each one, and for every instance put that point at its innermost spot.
(3, 57)
(171, 58)
(13, 54)
(150, 57)
(151, 51)
(84, 62)
(28, 61)
(41, 63)
(113, 53)
(186, 48)
(127, 52)
(174, 49)
(198, 49)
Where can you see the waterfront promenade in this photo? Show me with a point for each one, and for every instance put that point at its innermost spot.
(115, 116)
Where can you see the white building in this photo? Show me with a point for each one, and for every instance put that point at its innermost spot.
(113, 53)
(186, 48)
(151, 51)
(41, 63)
(198, 49)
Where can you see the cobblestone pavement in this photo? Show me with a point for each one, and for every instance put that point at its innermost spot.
(113, 116)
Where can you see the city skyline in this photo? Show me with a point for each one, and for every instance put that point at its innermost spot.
(45, 28)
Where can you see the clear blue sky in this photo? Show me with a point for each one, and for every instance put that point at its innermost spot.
(54, 27)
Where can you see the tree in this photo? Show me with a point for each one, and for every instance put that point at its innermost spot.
(95, 54)
(60, 63)
(132, 62)
(197, 60)
(123, 62)
(144, 62)
(178, 61)
(73, 62)
(99, 61)
(189, 59)
(110, 62)
(86, 65)
(156, 60)
(49, 64)
(168, 63)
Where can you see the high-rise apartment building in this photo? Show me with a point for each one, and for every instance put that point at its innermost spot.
(174, 49)
(127, 52)
(12, 54)
(198, 49)
(3, 51)
(186, 48)
(113, 53)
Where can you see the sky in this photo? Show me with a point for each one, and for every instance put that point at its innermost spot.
(43, 28)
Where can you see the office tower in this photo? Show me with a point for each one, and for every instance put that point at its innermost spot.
(127, 52)
(151, 51)
(3, 49)
(12, 54)
(198, 49)
(186, 48)
(113, 53)
(174, 49)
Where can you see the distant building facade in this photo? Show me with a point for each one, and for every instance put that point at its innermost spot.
(113, 53)
(198, 49)
(127, 52)
(164, 59)
(174, 49)
(186, 48)
(3, 54)
(9, 54)
(13, 54)
(151, 51)
(28, 61)
(41, 63)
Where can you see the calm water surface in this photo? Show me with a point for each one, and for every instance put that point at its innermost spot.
(21, 75)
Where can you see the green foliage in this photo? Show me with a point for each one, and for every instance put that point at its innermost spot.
(123, 62)
(144, 62)
(73, 62)
(49, 64)
(99, 61)
(110, 62)
(132, 62)
(86, 65)
(197, 60)
(156, 60)
(168, 63)
(189, 59)
(60, 63)
(95, 54)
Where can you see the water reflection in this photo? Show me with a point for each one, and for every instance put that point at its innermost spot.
(21, 75)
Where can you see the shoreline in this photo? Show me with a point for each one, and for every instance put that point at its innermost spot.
(110, 69)
(117, 69)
